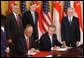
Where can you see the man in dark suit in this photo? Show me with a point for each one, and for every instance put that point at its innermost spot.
(21, 49)
(70, 31)
(49, 39)
(14, 25)
(25, 42)
(4, 44)
(31, 44)
(31, 17)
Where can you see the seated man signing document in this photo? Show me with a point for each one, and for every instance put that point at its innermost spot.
(49, 39)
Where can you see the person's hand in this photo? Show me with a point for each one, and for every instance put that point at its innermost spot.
(32, 50)
(9, 41)
(64, 44)
(7, 50)
(77, 43)
(56, 47)
(36, 51)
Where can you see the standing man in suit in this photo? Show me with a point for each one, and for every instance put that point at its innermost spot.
(70, 31)
(26, 42)
(49, 39)
(14, 25)
(4, 44)
(31, 17)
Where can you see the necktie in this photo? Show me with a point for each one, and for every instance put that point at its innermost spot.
(70, 21)
(17, 19)
(19, 22)
(28, 43)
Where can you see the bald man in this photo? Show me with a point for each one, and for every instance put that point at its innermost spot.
(25, 42)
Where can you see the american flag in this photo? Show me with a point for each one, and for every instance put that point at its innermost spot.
(67, 4)
(46, 15)
(23, 7)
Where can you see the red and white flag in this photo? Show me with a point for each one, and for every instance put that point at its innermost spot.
(77, 7)
(38, 10)
(57, 16)
(78, 13)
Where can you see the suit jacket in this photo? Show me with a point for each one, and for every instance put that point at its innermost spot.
(12, 27)
(20, 45)
(45, 43)
(4, 44)
(70, 33)
(28, 19)
(32, 43)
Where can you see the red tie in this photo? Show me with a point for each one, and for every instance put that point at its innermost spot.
(19, 22)
(28, 43)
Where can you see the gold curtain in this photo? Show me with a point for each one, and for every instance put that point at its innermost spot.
(4, 7)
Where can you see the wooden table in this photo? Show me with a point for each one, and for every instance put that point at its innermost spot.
(74, 52)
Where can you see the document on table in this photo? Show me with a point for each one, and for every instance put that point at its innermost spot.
(49, 56)
(61, 49)
(31, 53)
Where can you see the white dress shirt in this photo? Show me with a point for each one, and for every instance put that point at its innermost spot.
(70, 18)
(33, 15)
(25, 37)
(15, 15)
